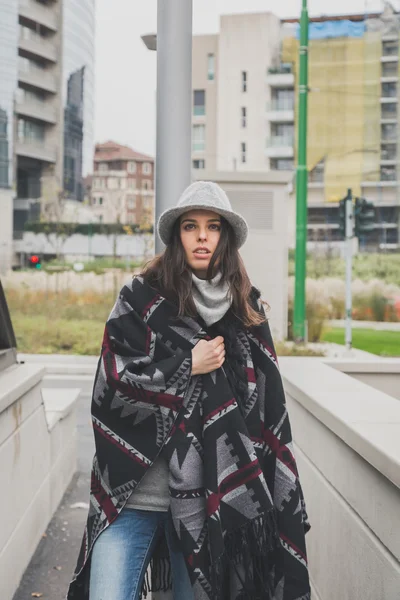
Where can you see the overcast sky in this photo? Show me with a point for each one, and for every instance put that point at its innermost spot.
(126, 70)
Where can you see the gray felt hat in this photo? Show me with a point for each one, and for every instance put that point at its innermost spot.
(206, 195)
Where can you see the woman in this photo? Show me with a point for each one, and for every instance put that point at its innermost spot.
(194, 469)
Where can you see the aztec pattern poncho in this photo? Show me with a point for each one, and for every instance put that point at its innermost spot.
(236, 501)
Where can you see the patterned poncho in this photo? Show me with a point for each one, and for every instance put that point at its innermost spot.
(236, 501)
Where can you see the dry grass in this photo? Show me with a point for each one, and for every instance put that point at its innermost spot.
(63, 323)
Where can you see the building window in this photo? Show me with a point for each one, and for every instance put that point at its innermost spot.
(112, 183)
(199, 103)
(146, 169)
(282, 99)
(100, 218)
(199, 164)
(199, 138)
(244, 81)
(100, 200)
(211, 67)
(389, 132)
(98, 183)
(131, 166)
(282, 134)
(389, 90)
(30, 131)
(243, 152)
(146, 184)
(132, 183)
(389, 69)
(390, 48)
(389, 152)
(131, 201)
(103, 167)
(281, 164)
(317, 174)
(389, 110)
(388, 173)
(244, 116)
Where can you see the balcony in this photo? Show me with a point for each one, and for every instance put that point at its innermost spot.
(40, 111)
(280, 112)
(36, 149)
(38, 46)
(281, 76)
(280, 146)
(38, 78)
(31, 12)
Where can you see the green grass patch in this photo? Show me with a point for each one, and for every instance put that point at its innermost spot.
(382, 343)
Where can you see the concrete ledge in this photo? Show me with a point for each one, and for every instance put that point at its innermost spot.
(347, 445)
(38, 460)
(58, 403)
(366, 419)
(384, 365)
(18, 380)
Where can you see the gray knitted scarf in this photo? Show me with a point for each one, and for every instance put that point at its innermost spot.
(212, 298)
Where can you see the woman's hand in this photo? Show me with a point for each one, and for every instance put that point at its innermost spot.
(208, 356)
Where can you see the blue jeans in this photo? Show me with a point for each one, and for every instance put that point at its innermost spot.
(122, 553)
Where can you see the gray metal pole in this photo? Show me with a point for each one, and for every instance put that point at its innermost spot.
(174, 103)
(349, 261)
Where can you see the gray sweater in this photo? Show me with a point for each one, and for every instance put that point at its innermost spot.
(212, 302)
(152, 492)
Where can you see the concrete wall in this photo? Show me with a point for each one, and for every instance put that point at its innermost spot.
(383, 375)
(38, 460)
(82, 246)
(347, 446)
(262, 199)
(247, 42)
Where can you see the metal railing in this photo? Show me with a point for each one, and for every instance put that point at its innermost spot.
(280, 105)
(282, 69)
(199, 111)
(279, 141)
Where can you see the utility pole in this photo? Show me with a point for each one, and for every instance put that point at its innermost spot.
(348, 202)
(174, 103)
(299, 325)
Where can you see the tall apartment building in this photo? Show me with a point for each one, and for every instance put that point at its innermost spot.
(249, 120)
(122, 186)
(46, 102)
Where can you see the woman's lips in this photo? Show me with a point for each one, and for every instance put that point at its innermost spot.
(202, 255)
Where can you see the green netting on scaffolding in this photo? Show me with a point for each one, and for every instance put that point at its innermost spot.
(344, 109)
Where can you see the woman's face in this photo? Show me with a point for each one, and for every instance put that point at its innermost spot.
(200, 231)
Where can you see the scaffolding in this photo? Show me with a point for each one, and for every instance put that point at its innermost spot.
(344, 104)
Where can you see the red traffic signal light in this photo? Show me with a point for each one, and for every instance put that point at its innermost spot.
(34, 261)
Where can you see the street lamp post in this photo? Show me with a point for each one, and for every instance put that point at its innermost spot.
(299, 325)
(174, 102)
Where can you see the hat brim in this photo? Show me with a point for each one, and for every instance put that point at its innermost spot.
(169, 216)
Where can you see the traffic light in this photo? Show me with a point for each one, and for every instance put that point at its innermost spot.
(364, 217)
(35, 262)
(342, 218)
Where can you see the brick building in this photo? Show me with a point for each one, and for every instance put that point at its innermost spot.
(122, 188)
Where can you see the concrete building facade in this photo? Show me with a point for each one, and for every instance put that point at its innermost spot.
(122, 185)
(353, 132)
(46, 104)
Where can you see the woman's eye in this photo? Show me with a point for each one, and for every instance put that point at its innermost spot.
(215, 227)
(188, 226)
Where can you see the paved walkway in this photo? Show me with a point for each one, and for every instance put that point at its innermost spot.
(379, 325)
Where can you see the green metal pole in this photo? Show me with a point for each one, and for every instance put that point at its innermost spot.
(299, 325)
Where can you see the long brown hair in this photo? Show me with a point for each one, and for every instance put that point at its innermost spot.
(171, 275)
